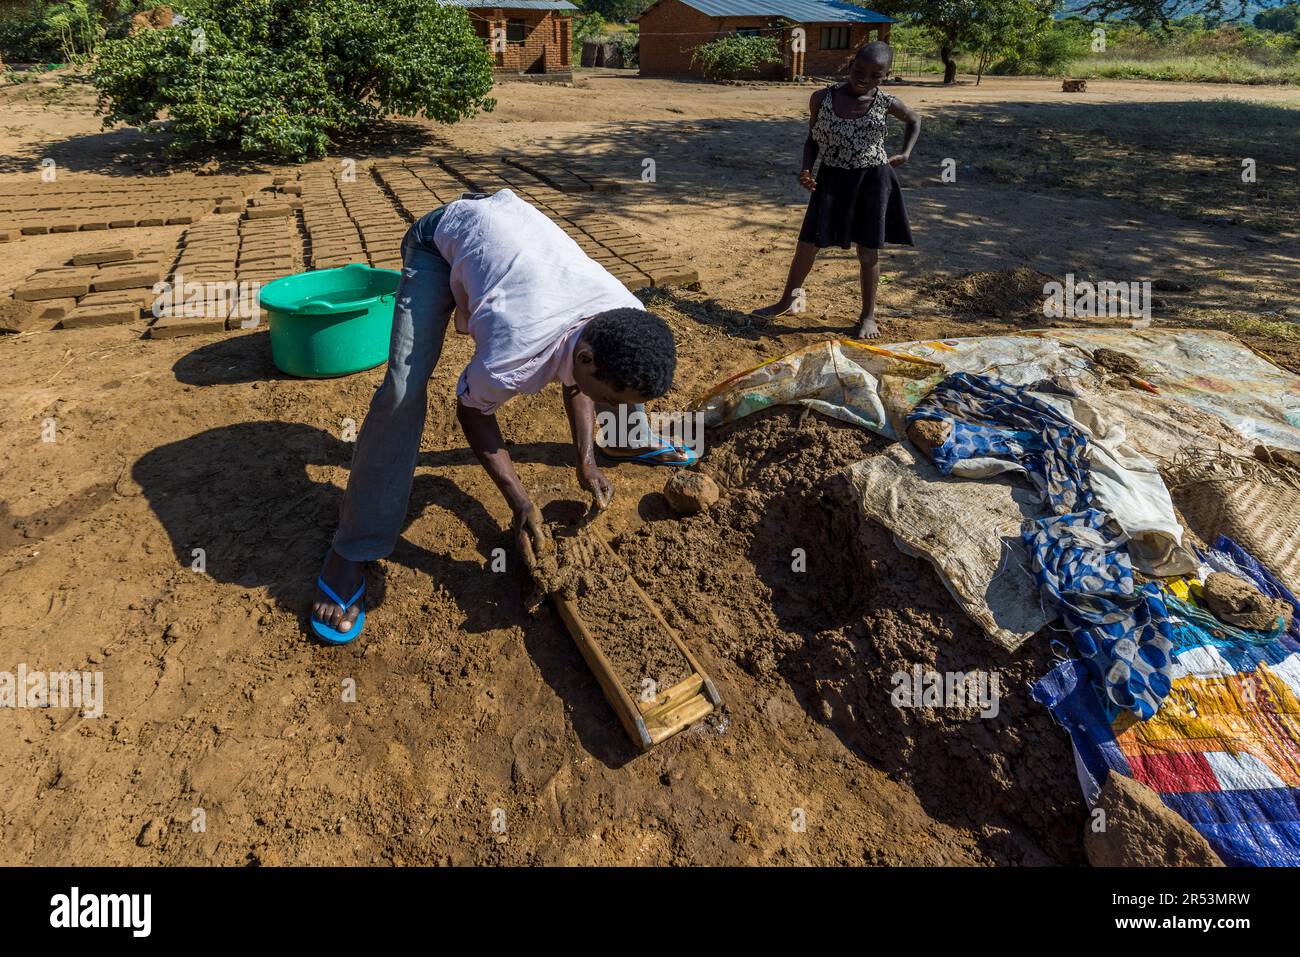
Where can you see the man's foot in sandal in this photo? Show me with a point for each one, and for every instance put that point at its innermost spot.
(658, 451)
(867, 328)
(338, 613)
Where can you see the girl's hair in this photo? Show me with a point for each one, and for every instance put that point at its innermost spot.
(877, 51)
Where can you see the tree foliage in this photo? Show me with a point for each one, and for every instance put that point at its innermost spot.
(285, 78)
(732, 56)
(990, 29)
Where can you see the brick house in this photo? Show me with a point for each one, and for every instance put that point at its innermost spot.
(831, 32)
(532, 38)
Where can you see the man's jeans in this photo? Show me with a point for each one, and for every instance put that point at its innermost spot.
(388, 447)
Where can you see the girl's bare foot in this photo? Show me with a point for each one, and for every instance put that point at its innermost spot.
(777, 309)
(867, 328)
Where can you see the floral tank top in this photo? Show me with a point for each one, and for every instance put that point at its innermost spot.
(852, 144)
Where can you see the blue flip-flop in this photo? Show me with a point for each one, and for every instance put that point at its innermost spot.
(652, 456)
(332, 635)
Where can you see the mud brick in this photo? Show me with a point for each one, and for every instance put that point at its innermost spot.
(171, 327)
(54, 308)
(278, 211)
(35, 229)
(55, 284)
(673, 274)
(123, 221)
(134, 276)
(108, 315)
(635, 282)
(9, 233)
(63, 227)
(180, 219)
(137, 297)
(98, 257)
(151, 219)
(93, 225)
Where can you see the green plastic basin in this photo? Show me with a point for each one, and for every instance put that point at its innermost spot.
(330, 322)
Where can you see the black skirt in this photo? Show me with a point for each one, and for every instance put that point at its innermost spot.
(863, 206)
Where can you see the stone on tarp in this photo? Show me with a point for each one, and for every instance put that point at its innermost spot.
(1238, 602)
(1139, 830)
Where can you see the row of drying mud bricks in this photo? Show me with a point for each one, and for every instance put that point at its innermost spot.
(633, 260)
(567, 179)
(351, 221)
(105, 287)
(55, 208)
(247, 253)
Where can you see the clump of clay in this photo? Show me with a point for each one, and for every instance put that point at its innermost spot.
(928, 434)
(1237, 602)
(1116, 361)
(1141, 831)
(560, 570)
(691, 492)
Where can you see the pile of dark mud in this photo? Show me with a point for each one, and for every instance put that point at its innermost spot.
(1001, 293)
(784, 579)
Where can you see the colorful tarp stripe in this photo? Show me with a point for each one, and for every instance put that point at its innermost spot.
(1223, 750)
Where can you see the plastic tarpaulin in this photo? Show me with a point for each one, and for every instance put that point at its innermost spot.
(842, 378)
(1223, 751)
(1212, 372)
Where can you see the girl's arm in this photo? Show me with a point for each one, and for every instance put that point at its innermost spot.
(912, 129)
(810, 148)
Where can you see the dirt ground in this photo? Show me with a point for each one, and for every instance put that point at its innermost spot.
(475, 733)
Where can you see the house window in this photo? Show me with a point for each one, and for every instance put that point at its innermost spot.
(835, 38)
(516, 30)
(746, 31)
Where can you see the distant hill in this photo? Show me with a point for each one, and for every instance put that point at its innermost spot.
(1187, 8)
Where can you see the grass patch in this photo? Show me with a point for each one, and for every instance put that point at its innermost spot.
(1187, 69)
(1244, 324)
(1183, 158)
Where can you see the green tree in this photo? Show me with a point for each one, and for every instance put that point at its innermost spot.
(1279, 20)
(972, 25)
(1008, 28)
(285, 78)
(616, 10)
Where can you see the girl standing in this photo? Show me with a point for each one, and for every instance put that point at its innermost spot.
(856, 196)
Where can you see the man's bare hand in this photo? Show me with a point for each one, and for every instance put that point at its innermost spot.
(806, 180)
(593, 480)
(530, 535)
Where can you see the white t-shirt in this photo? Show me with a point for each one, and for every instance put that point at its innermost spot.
(522, 287)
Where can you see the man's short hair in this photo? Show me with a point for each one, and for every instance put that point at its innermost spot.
(877, 51)
(633, 349)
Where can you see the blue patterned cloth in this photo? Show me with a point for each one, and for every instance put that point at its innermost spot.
(1079, 556)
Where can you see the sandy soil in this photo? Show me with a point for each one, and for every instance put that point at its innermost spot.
(460, 729)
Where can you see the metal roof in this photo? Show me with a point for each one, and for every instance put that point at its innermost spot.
(800, 11)
(515, 4)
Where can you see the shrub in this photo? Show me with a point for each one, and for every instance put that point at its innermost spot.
(626, 41)
(283, 78)
(62, 31)
(732, 56)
